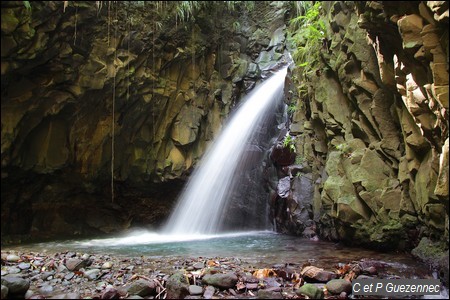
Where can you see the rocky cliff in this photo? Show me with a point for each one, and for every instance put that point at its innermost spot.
(125, 97)
(118, 96)
(371, 130)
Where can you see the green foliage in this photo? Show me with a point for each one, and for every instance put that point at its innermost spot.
(292, 108)
(27, 4)
(306, 34)
(289, 143)
(236, 26)
(185, 10)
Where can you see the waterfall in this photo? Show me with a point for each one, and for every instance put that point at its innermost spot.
(202, 206)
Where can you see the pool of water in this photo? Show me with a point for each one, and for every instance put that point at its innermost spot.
(261, 248)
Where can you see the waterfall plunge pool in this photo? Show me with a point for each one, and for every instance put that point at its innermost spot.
(259, 248)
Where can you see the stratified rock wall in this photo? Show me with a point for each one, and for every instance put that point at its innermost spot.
(77, 79)
(373, 126)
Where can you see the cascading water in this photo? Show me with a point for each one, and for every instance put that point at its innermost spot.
(202, 206)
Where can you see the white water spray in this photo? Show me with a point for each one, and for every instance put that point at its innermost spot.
(201, 205)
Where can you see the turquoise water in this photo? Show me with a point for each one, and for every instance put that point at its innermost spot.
(261, 248)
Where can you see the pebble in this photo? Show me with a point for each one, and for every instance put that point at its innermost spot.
(209, 292)
(74, 264)
(107, 265)
(93, 276)
(195, 290)
(46, 289)
(198, 265)
(24, 266)
(46, 275)
(12, 258)
(13, 270)
(69, 276)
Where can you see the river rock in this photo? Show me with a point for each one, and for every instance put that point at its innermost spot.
(66, 296)
(13, 270)
(91, 274)
(220, 280)
(12, 258)
(107, 265)
(268, 294)
(177, 286)
(24, 266)
(69, 276)
(46, 275)
(4, 291)
(311, 291)
(142, 288)
(337, 286)
(209, 292)
(195, 290)
(198, 265)
(16, 286)
(74, 264)
(110, 293)
(46, 289)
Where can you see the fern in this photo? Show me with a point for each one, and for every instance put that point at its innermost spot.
(292, 108)
(289, 143)
(307, 32)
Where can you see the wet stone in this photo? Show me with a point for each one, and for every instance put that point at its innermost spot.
(24, 266)
(107, 265)
(219, 280)
(198, 265)
(337, 286)
(268, 294)
(74, 264)
(12, 258)
(16, 285)
(91, 274)
(69, 276)
(142, 288)
(110, 293)
(195, 290)
(66, 296)
(13, 270)
(209, 292)
(46, 289)
(46, 275)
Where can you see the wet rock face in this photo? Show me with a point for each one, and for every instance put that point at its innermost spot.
(373, 124)
(74, 77)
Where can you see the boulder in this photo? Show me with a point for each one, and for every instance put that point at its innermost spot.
(177, 286)
(142, 288)
(337, 286)
(223, 281)
(16, 286)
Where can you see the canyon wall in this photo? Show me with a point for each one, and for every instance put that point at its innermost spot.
(371, 131)
(137, 89)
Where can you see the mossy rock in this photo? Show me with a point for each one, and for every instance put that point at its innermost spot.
(311, 291)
